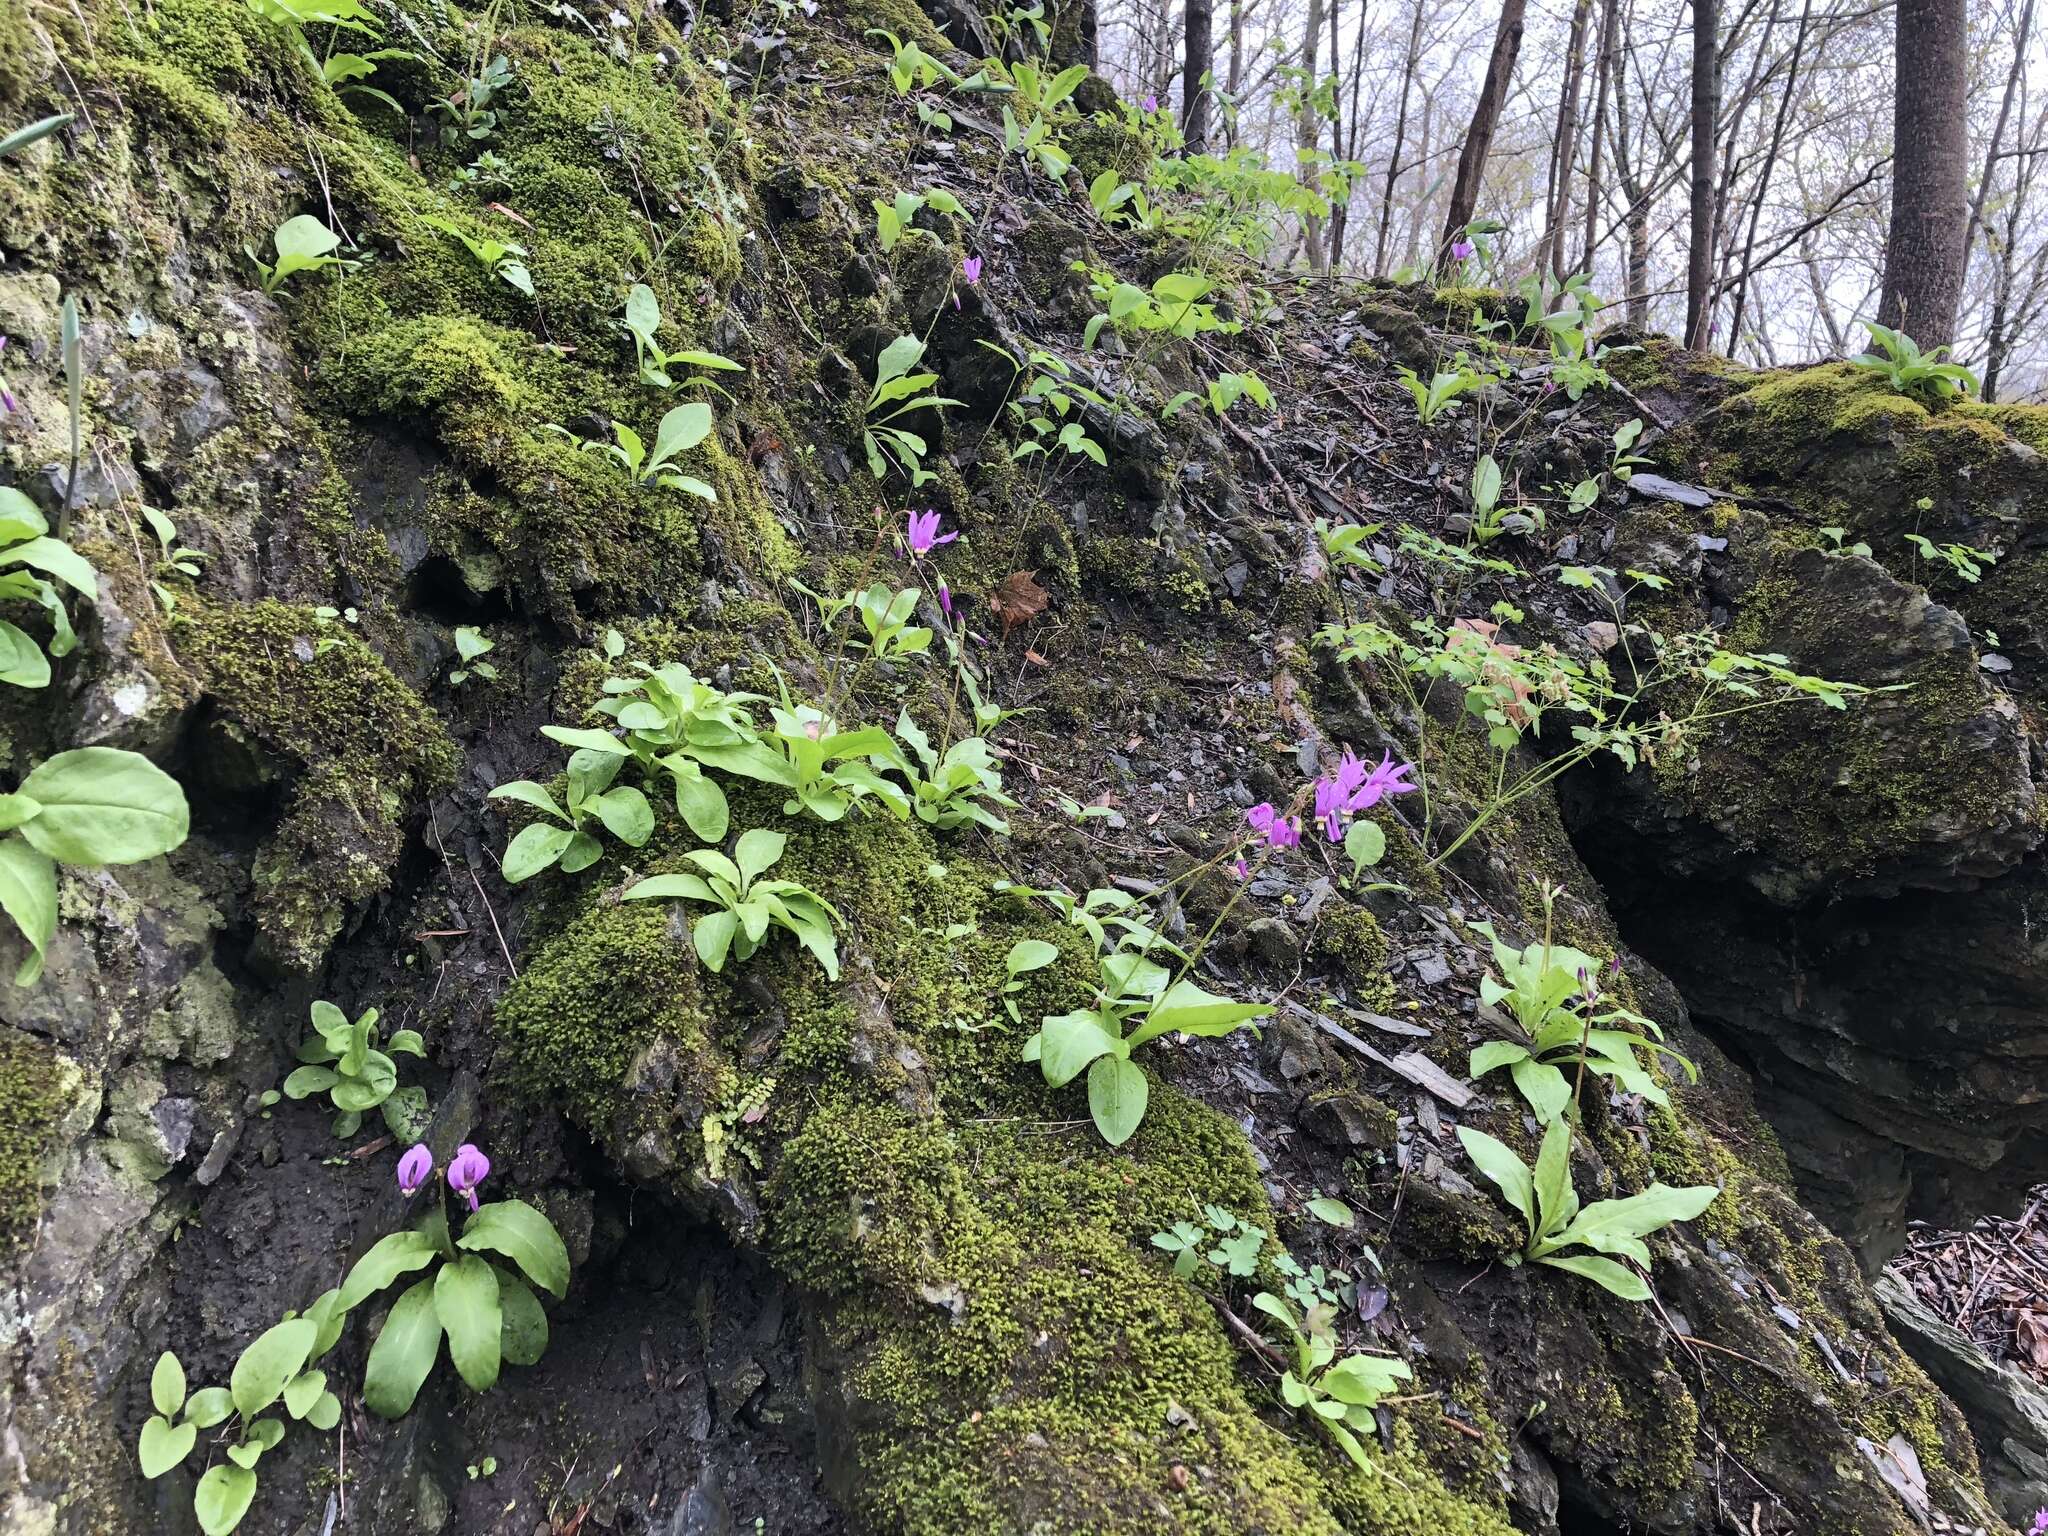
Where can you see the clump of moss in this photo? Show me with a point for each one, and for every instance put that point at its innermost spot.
(1350, 937)
(360, 745)
(593, 997)
(32, 1093)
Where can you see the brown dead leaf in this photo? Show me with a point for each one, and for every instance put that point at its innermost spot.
(515, 218)
(1018, 600)
(2031, 1334)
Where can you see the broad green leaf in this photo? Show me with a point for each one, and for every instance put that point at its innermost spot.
(669, 888)
(1363, 1379)
(167, 1385)
(1495, 1053)
(700, 801)
(163, 1445)
(394, 1254)
(406, 1114)
(757, 851)
(1640, 1215)
(275, 1357)
(897, 359)
(1618, 1278)
(22, 661)
(712, 934)
(1508, 1171)
(325, 1412)
(1030, 955)
(403, 1354)
(309, 1080)
(1117, 1093)
(1553, 1181)
(626, 815)
(582, 852)
(526, 792)
(1544, 1086)
(709, 360)
(683, 427)
(526, 1325)
(526, 1237)
(28, 895)
(55, 558)
(223, 1497)
(208, 1406)
(1365, 844)
(1186, 1008)
(466, 1302)
(535, 848)
(102, 805)
(1333, 1213)
(303, 1391)
(643, 310)
(304, 236)
(1070, 1041)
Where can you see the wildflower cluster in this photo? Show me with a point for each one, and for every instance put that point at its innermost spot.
(467, 1169)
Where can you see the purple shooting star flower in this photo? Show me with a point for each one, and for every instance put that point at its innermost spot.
(414, 1169)
(467, 1169)
(921, 533)
(945, 598)
(970, 273)
(1463, 249)
(1150, 103)
(1278, 831)
(1383, 781)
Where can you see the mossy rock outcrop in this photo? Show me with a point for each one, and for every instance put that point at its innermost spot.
(843, 1258)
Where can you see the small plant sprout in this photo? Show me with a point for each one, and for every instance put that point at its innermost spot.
(893, 218)
(485, 1307)
(503, 259)
(623, 811)
(1339, 1395)
(174, 559)
(277, 1367)
(1024, 957)
(303, 244)
(1550, 1210)
(954, 790)
(1897, 358)
(748, 906)
(885, 615)
(29, 556)
(471, 646)
(88, 807)
(681, 429)
(1442, 392)
(1139, 994)
(1838, 550)
(897, 392)
(642, 322)
(1552, 992)
(341, 1060)
(1967, 563)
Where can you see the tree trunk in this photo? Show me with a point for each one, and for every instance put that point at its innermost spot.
(1309, 132)
(1639, 262)
(1706, 109)
(1340, 212)
(1379, 255)
(1500, 71)
(1609, 20)
(1201, 66)
(1923, 249)
(1236, 82)
(1565, 143)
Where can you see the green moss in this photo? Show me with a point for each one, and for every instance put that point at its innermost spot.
(34, 1085)
(1350, 937)
(592, 998)
(362, 745)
